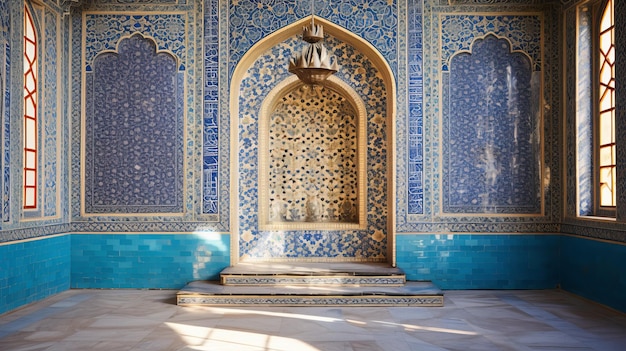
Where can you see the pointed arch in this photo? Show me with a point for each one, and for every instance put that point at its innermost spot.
(248, 60)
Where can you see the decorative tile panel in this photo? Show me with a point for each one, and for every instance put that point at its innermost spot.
(5, 107)
(49, 117)
(134, 140)
(492, 148)
(76, 108)
(415, 145)
(211, 130)
(448, 30)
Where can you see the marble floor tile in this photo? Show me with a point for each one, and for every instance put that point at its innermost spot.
(121, 320)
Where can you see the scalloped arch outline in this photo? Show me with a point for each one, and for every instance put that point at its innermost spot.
(178, 60)
(481, 38)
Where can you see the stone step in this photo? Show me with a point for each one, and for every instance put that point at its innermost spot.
(312, 274)
(334, 280)
(212, 293)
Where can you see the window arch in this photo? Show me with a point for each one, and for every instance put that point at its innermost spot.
(30, 134)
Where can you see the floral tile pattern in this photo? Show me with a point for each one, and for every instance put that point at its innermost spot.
(373, 20)
(104, 31)
(458, 32)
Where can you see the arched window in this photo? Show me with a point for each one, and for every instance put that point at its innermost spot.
(595, 108)
(30, 112)
(606, 194)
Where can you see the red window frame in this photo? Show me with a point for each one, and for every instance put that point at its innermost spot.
(30, 141)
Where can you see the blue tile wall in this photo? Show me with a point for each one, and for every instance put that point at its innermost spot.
(595, 270)
(491, 261)
(147, 261)
(33, 270)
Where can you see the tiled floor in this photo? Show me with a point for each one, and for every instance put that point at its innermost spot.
(470, 320)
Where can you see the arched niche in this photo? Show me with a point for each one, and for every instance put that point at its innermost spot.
(244, 129)
(312, 157)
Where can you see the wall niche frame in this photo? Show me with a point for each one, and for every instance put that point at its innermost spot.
(238, 235)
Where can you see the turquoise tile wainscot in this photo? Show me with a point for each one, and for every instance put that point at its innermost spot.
(31, 270)
(147, 261)
(471, 261)
(594, 269)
